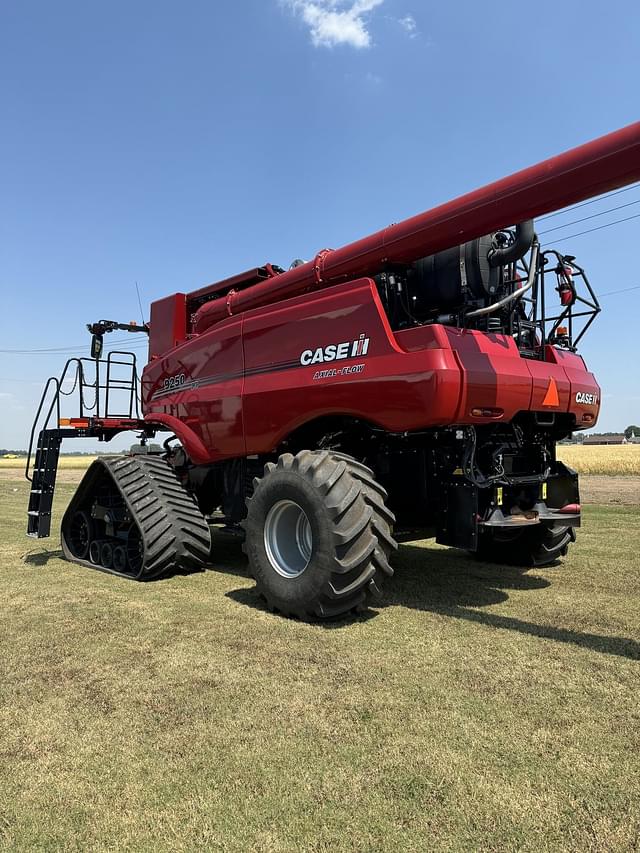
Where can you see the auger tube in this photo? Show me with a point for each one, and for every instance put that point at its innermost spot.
(602, 165)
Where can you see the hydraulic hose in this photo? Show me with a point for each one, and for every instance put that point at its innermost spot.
(525, 234)
(518, 294)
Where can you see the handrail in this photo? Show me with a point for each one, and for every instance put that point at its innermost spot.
(54, 402)
(80, 384)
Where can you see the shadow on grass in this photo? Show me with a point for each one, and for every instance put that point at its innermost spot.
(451, 583)
(41, 558)
(443, 581)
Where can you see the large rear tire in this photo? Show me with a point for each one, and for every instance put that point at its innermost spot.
(318, 535)
(539, 545)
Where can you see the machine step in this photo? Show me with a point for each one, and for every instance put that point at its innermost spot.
(43, 483)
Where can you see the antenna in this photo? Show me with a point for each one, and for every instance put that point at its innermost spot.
(140, 303)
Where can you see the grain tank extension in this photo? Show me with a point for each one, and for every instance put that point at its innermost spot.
(413, 383)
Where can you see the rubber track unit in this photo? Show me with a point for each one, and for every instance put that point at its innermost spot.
(175, 536)
(354, 505)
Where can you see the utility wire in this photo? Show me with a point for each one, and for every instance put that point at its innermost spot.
(62, 350)
(593, 216)
(590, 201)
(598, 227)
(624, 290)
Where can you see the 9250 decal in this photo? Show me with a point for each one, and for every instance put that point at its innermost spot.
(172, 383)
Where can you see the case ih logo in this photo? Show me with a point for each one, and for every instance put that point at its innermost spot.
(336, 352)
(586, 399)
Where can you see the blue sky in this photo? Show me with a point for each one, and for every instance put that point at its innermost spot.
(174, 144)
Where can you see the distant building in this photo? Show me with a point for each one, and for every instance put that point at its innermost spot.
(614, 438)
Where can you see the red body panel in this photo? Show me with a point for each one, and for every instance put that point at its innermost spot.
(248, 382)
(167, 324)
(199, 385)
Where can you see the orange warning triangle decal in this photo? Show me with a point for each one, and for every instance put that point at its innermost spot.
(551, 397)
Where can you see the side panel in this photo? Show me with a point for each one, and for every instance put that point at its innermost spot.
(293, 374)
(200, 384)
(494, 374)
(168, 324)
(584, 393)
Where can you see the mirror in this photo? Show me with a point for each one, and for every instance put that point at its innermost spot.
(96, 346)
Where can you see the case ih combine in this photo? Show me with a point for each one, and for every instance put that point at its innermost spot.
(413, 382)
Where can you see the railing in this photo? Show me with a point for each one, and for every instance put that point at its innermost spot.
(548, 314)
(99, 404)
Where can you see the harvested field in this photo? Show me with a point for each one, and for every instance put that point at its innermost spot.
(66, 463)
(619, 460)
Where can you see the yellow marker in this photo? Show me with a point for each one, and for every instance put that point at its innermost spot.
(544, 491)
(458, 472)
(499, 495)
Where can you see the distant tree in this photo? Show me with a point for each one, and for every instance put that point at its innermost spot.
(633, 429)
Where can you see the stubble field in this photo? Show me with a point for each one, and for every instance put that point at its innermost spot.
(616, 460)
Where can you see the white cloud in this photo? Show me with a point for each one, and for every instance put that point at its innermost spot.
(334, 22)
(408, 24)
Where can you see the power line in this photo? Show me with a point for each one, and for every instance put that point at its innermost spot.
(599, 227)
(624, 290)
(590, 201)
(71, 350)
(593, 216)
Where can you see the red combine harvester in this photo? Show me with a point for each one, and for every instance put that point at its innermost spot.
(412, 383)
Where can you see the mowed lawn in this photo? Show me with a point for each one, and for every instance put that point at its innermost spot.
(478, 708)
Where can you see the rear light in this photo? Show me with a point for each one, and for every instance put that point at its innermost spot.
(487, 413)
(76, 423)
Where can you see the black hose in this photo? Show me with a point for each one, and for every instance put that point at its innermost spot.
(518, 249)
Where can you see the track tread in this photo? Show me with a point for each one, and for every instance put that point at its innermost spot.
(174, 533)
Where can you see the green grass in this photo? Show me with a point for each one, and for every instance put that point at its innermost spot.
(479, 708)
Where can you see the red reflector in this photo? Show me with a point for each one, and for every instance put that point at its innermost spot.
(570, 509)
(487, 413)
(78, 423)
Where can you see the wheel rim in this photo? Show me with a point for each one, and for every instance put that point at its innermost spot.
(80, 535)
(288, 540)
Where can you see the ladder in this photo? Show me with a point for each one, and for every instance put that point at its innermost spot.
(43, 483)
